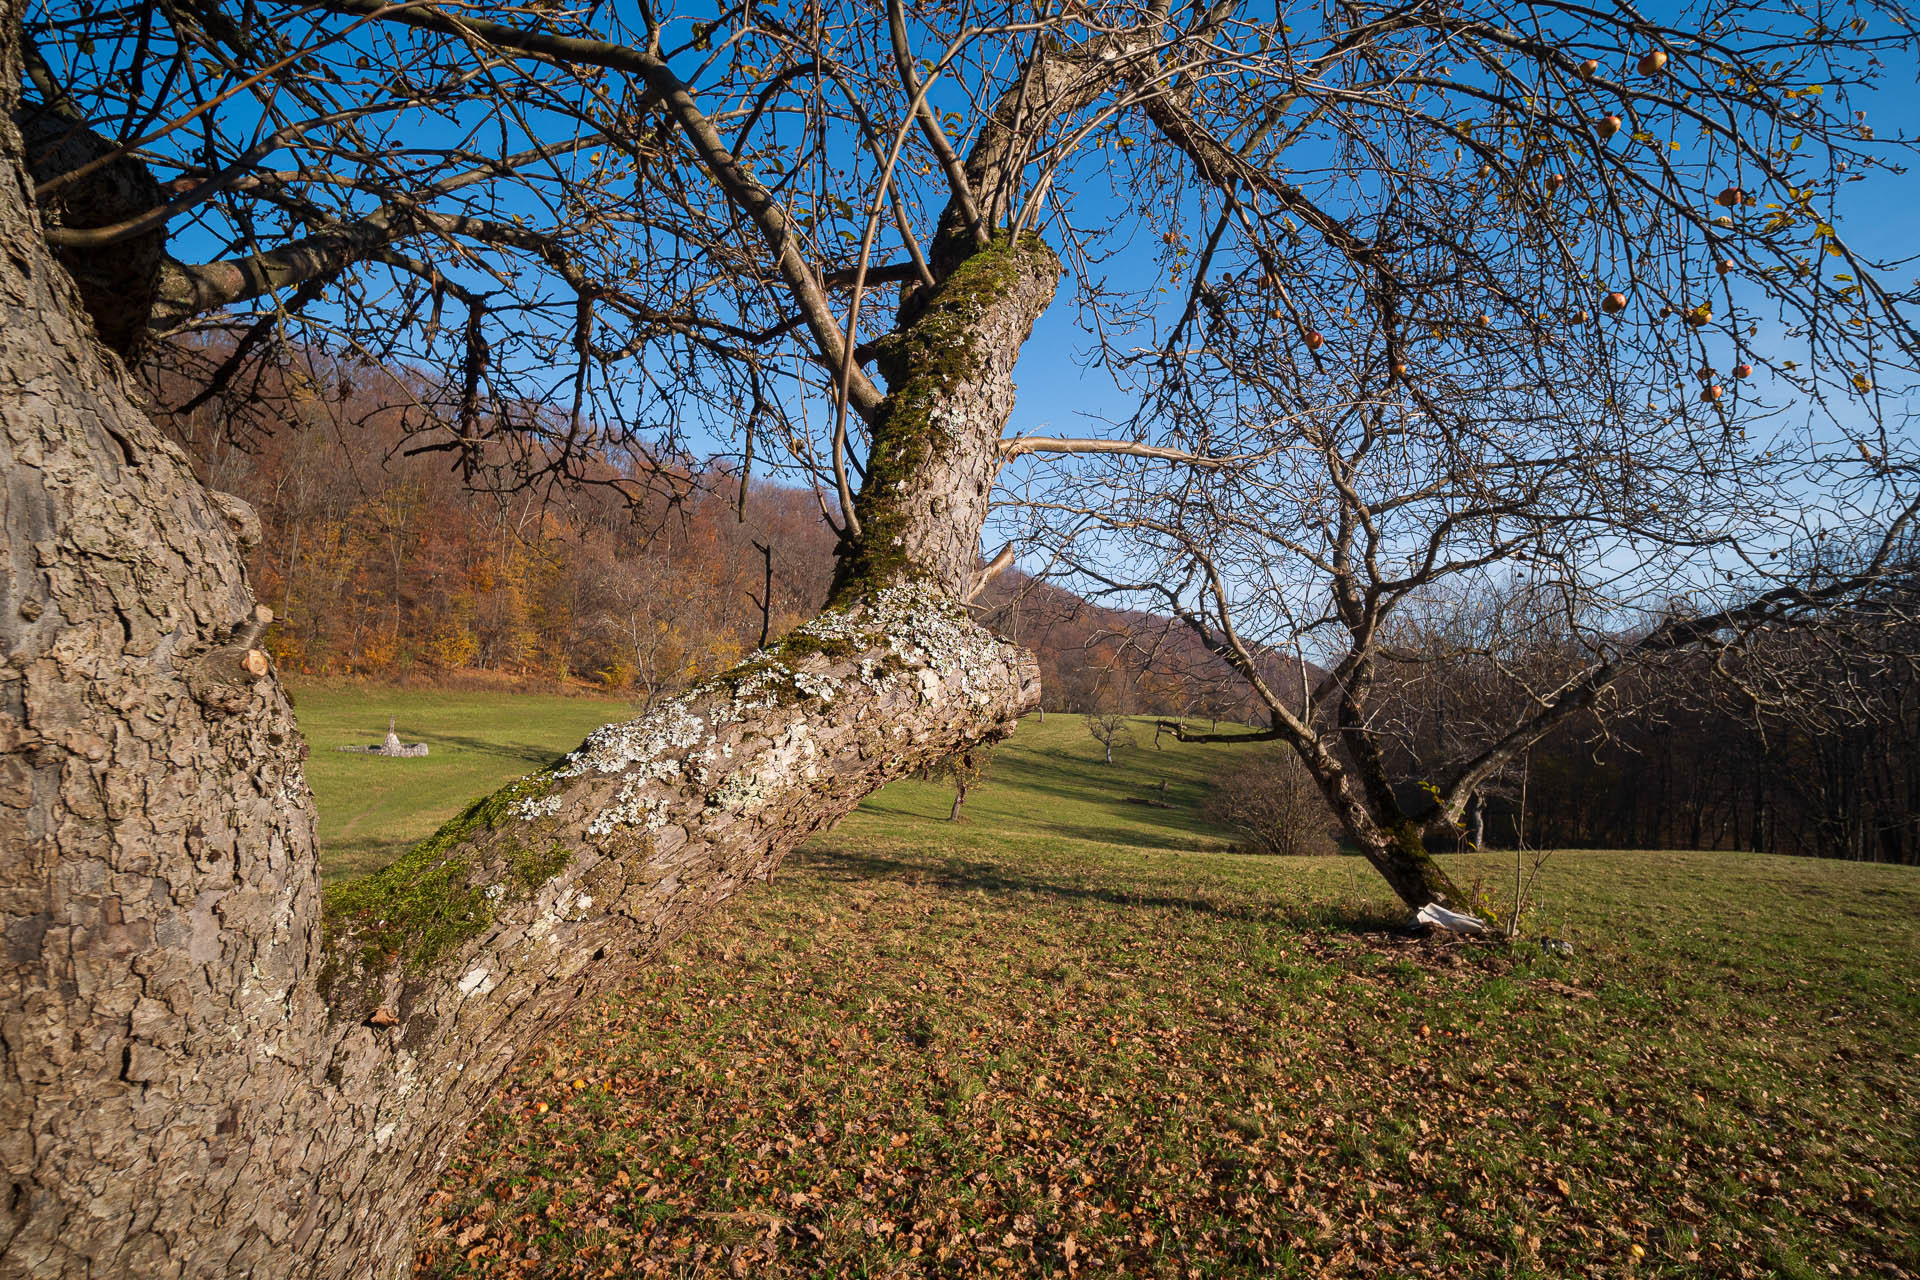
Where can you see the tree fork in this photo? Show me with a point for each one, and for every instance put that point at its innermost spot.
(1390, 841)
(1392, 846)
(1370, 814)
(1399, 853)
(118, 282)
(205, 1073)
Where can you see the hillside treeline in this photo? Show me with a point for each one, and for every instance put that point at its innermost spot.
(1805, 743)
(385, 565)
(384, 561)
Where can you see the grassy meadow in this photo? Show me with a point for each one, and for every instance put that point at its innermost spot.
(372, 809)
(1077, 1035)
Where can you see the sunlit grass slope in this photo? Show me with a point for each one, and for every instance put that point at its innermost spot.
(1076, 1036)
(372, 809)
(1049, 776)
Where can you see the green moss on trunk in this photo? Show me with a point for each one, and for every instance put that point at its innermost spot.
(433, 897)
(926, 364)
(1414, 874)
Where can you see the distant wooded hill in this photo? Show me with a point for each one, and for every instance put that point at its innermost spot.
(384, 563)
(381, 561)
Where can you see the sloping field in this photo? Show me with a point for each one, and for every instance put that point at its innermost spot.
(372, 809)
(1074, 1035)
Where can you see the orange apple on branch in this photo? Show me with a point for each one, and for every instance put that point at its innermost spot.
(1614, 303)
(1653, 61)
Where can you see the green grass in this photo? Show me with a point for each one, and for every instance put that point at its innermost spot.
(372, 809)
(1076, 1036)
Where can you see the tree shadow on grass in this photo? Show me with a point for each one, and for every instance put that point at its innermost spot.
(1093, 783)
(534, 753)
(958, 874)
(1171, 838)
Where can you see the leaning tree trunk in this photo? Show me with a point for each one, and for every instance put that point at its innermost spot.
(1371, 816)
(205, 1073)
(1387, 838)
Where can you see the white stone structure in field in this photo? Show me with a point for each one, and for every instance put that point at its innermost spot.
(392, 746)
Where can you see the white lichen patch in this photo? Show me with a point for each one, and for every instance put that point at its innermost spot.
(642, 745)
(789, 759)
(760, 690)
(293, 788)
(647, 751)
(531, 808)
(931, 634)
(825, 688)
(571, 905)
(910, 638)
(925, 633)
(477, 982)
(630, 808)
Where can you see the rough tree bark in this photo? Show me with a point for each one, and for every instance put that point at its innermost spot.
(204, 1073)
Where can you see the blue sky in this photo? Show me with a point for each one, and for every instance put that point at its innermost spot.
(1058, 395)
(1879, 215)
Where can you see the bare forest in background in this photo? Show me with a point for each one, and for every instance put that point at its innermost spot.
(384, 562)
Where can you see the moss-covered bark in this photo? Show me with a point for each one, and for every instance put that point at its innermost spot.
(1370, 815)
(447, 888)
(1402, 857)
(949, 393)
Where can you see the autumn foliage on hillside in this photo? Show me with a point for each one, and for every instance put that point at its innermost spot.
(385, 554)
(380, 560)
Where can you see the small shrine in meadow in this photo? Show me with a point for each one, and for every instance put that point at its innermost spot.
(392, 746)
